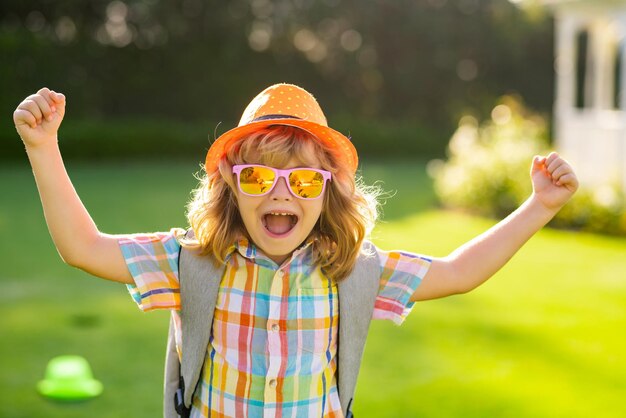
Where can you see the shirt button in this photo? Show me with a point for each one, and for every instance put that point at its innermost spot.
(280, 273)
(273, 383)
(275, 327)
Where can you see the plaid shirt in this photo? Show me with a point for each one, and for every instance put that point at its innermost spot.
(273, 346)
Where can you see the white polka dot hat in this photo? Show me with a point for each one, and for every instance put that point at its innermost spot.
(284, 104)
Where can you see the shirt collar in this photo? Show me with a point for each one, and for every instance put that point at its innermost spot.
(248, 250)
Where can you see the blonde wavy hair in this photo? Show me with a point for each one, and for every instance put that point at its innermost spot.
(349, 211)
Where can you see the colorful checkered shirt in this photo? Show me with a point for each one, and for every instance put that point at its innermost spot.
(273, 346)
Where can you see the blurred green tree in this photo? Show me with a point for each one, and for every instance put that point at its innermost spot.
(418, 64)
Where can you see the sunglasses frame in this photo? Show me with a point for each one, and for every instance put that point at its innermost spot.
(284, 173)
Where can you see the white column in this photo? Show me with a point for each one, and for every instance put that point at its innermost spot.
(566, 37)
(621, 33)
(565, 62)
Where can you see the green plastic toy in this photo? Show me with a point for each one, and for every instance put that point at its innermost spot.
(69, 378)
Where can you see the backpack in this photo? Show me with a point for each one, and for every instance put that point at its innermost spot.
(199, 284)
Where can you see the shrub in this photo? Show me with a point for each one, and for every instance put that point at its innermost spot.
(595, 210)
(487, 172)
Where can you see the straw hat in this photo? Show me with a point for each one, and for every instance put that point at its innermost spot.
(69, 378)
(284, 104)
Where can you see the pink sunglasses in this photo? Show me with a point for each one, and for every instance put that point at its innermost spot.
(258, 180)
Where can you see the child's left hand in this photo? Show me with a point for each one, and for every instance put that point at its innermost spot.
(554, 180)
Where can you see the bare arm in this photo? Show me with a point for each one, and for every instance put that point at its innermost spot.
(473, 263)
(76, 236)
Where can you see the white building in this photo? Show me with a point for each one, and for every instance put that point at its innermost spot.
(590, 104)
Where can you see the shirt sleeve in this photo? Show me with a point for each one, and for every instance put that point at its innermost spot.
(152, 260)
(401, 274)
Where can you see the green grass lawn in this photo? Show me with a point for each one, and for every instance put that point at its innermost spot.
(544, 338)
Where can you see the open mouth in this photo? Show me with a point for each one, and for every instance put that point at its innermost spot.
(279, 223)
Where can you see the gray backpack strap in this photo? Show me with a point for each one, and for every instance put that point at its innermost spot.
(199, 285)
(357, 296)
(172, 374)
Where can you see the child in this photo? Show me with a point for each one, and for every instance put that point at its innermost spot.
(280, 211)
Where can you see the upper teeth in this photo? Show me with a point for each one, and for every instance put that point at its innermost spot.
(280, 213)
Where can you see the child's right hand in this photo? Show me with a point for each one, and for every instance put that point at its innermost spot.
(38, 117)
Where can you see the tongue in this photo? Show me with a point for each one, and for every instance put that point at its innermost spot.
(278, 224)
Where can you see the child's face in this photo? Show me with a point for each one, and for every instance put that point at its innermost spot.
(279, 235)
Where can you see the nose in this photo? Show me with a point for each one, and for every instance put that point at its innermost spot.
(281, 190)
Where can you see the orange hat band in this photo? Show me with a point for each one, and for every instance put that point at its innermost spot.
(266, 117)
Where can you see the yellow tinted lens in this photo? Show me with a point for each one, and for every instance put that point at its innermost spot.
(307, 184)
(256, 180)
